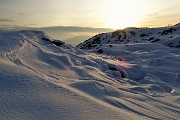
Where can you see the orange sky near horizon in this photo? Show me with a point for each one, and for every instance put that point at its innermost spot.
(89, 13)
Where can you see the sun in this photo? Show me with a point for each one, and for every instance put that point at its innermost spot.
(123, 13)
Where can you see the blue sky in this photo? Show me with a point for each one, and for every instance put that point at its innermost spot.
(89, 13)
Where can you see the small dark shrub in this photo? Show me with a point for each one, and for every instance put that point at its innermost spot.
(100, 51)
(155, 40)
(112, 68)
(110, 46)
(143, 35)
(150, 39)
(57, 42)
(177, 46)
(170, 30)
(46, 39)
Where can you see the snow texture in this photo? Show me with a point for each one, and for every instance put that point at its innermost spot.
(114, 78)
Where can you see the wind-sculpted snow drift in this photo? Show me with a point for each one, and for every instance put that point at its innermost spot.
(42, 78)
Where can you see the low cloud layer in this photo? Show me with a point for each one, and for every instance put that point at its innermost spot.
(70, 34)
(6, 20)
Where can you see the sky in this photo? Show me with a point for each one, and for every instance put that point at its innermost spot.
(89, 13)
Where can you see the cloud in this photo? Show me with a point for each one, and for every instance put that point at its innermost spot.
(66, 32)
(75, 29)
(22, 14)
(6, 20)
(152, 14)
(5, 25)
(32, 24)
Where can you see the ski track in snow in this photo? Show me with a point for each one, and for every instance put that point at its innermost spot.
(42, 79)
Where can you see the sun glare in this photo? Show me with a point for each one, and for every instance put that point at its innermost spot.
(123, 13)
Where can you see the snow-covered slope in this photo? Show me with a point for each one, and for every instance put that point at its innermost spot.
(168, 36)
(42, 78)
(153, 56)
